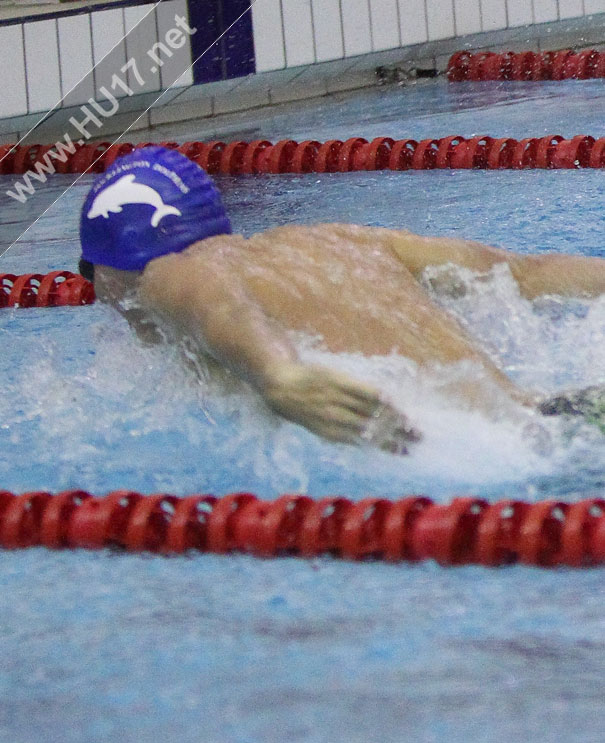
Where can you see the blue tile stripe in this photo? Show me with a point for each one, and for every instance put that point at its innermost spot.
(239, 42)
(233, 55)
(204, 16)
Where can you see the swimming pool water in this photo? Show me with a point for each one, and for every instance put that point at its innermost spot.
(100, 646)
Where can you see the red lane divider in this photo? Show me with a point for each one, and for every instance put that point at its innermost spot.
(467, 531)
(562, 65)
(55, 289)
(335, 156)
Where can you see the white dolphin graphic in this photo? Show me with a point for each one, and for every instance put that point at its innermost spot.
(126, 191)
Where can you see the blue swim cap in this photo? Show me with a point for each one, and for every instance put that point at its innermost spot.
(149, 203)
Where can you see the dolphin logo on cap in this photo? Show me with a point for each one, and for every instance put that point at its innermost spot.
(127, 191)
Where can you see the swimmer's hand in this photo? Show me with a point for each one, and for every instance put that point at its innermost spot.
(336, 407)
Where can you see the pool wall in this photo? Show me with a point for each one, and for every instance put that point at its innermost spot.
(282, 50)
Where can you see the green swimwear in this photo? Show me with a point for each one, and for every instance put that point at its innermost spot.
(588, 403)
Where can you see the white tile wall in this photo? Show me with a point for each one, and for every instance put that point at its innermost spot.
(520, 12)
(327, 27)
(42, 64)
(49, 58)
(385, 24)
(109, 49)
(75, 53)
(13, 101)
(493, 15)
(440, 15)
(356, 28)
(177, 70)
(53, 58)
(289, 32)
(268, 35)
(468, 16)
(571, 8)
(412, 14)
(594, 6)
(545, 11)
(298, 32)
(140, 27)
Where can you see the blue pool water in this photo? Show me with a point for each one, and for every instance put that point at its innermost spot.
(98, 647)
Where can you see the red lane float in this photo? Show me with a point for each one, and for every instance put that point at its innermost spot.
(562, 65)
(55, 289)
(336, 156)
(466, 531)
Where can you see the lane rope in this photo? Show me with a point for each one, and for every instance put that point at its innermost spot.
(557, 65)
(55, 289)
(466, 531)
(334, 156)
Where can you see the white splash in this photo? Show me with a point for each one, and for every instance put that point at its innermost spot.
(157, 423)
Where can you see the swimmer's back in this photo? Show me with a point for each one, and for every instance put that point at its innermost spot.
(342, 283)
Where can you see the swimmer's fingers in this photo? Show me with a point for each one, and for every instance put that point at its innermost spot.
(345, 435)
(399, 426)
(338, 434)
(338, 421)
(362, 398)
(391, 431)
(332, 405)
(384, 416)
(365, 406)
(369, 402)
(337, 389)
(398, 441)
(360, 410)
(411, 434)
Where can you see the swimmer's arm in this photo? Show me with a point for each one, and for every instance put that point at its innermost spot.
(210, 304)
(555, 273)
(548, 273)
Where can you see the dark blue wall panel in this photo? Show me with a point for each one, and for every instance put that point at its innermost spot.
(239, 41)
(204, 15)
(233, 55)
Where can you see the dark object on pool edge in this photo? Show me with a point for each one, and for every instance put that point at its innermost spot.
(467, 531)
(55, 289)
(561, 65)
(333, 156)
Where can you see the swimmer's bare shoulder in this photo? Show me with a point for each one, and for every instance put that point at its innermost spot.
(167, 281)
(199, 294)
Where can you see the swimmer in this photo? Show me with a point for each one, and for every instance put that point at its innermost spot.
(158, 244)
